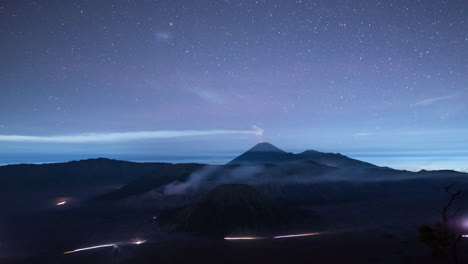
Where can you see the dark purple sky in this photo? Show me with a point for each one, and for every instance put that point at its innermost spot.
(330, 75)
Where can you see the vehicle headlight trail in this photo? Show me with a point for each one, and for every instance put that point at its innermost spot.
(134, 242)
(89, 248)
(297, 235)
(243, 238)
(275, 237)
(138, 242)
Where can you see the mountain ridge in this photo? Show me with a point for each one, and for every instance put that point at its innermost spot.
(267, 153)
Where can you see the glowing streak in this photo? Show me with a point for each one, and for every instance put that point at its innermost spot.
(62, 203)
(464, 235)
(134, 242)
(242, 238)
(88, 248)
(285, 236)
(138, 242)
(297, 235)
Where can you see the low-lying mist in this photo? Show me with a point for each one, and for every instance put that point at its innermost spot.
(288, 174)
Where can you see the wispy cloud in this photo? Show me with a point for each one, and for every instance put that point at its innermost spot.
(208, 95)
(432, 100)
(362, 134)
(163, 36)
(126, 136)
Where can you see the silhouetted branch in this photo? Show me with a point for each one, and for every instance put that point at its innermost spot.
(446, 209)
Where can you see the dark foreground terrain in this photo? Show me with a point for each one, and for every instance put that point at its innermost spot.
(340, 247)
(363, 213)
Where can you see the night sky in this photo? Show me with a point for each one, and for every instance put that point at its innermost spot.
(176, 77)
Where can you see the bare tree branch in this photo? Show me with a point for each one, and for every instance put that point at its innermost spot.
(445, 213)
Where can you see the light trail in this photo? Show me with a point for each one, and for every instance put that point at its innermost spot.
(62, 203)
(138, 242)
(275, 237)
(134, 242)
(243, 238)
(297, 235)
(89, 248)
(465, 236)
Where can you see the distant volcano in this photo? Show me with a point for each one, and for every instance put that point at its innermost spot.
(231, 209)
(263, 153)
(265, 147)
(266, 153)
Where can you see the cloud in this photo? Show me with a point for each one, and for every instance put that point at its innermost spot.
(208, 95)
(163, 36)
(362, 134)
(125, 136)
(429, 101)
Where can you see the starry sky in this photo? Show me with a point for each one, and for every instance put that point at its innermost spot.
(166, 77)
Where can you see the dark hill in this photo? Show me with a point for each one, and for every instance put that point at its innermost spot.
(333, 159)
(231, 209)
(73, 175)
(208, 176)
(148, 182)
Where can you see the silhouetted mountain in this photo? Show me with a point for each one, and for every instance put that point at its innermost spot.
(263, 153)
(231, 209)
(265, 147)
(332, 159)
(262, 164)
(208, 176)
(73, 175)
(148, 182)
(266, 153)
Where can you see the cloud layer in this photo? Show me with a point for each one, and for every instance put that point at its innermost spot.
(429, 101)
(126, 136)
